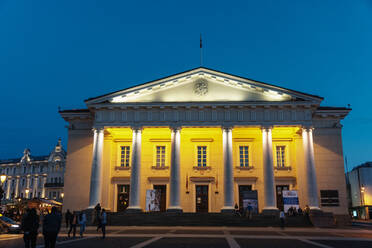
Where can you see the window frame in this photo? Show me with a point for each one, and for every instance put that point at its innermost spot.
(207, 163)
(160, 165)
(329, 201)
(123, 164)
(167, 154)
(287, 158)
(118, 154)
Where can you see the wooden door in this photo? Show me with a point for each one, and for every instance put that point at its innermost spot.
(202, 198)
(162, 189)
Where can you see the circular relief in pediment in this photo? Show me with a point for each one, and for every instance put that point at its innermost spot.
(201, 87)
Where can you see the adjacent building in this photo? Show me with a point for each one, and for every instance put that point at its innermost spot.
(31, 177)
(360, 187)
(204, 139)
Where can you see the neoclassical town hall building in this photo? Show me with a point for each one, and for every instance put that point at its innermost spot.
(202, 137)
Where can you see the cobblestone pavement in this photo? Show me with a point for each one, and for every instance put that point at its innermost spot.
(195, 237)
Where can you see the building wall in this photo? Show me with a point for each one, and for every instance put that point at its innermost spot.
(78, 169)
(329, 164)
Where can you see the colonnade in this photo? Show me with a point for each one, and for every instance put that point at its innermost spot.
(228, 180)
(34, 189)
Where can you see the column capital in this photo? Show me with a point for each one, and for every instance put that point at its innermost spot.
(98, 129)
(136, 129)
(307, 128)
(266, 127)
(227, 128)
(175, 128)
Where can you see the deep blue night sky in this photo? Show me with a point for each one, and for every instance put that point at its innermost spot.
(58, 53)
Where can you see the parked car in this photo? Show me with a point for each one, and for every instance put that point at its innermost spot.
(9, 225)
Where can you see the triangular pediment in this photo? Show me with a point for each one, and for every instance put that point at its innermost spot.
(203, 85)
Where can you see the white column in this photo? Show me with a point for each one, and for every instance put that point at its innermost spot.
(312, 187)
(228, 181)
(135, 175)
(174, 201)
(96, 172)
(17, 188)
(34, 188)
(43, 186)
(8, 184)
(268, 171)
(27, 186)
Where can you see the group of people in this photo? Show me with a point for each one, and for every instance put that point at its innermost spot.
(50, 227)
(73, 219)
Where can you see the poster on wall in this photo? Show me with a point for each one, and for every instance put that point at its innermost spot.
(290, 199)
(152, 200)
(250, 200)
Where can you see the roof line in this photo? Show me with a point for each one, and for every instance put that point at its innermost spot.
(202, 67)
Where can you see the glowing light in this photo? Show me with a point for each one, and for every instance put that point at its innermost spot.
(2, 178)
(62, 195)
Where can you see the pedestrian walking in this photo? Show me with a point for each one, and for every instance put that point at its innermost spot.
(51, 227)
(67, 217)
(97, 210)
(103, 223)
(30, 225)
(282, 219)
(73, 223)
(82, 222)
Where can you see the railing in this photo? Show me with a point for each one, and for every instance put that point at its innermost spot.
(53, 185)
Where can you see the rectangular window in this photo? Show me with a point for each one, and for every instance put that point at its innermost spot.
(124, 156)
(329, 198)
(280, 156)
(160, 156)
(202, 156)
(243, 156)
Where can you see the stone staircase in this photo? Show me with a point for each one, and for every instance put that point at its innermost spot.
(201, 219)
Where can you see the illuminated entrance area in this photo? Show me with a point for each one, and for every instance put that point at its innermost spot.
(279, 196)
(201, 198)
(162, 191)
(123, 197)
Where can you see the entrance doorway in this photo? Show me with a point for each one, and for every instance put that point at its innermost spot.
(279, 196)
(243, 189)
(123, 197)
(201, 198)
(162, 189)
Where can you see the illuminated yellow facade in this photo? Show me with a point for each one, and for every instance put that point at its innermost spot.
(201, 137)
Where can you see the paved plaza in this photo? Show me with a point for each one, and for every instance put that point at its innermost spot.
(215, 237)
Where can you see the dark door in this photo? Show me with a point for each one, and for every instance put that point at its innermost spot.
(162, 191)
(279, 196)
(243, 189)
(123, 197)
(202, 198)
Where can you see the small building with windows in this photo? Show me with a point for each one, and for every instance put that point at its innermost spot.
(32, 177)
(360, 190)
(204, 140)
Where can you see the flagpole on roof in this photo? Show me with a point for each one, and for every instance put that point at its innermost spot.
(201, 51)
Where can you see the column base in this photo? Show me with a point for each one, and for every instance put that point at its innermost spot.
(177, 209)
(135, 209)
(227, 209)
(273, 211)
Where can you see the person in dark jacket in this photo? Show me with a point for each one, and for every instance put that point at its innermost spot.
(30, 225)
(51, 227)
(73, 223)
(68, 217)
